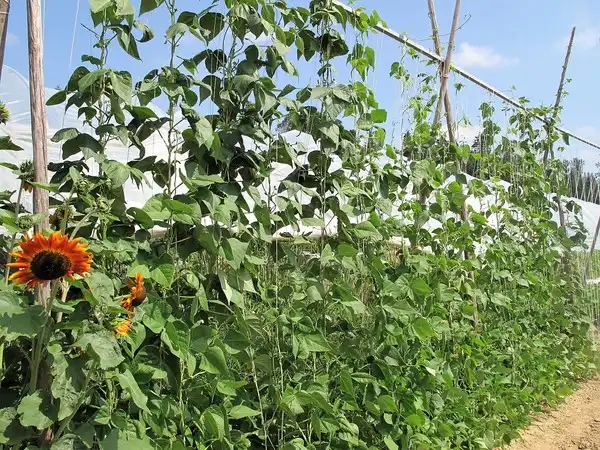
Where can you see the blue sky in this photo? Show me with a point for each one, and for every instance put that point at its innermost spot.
(506, 43)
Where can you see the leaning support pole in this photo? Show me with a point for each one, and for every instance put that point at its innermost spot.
(446, 72)
(438, 49)
(444, 100)
(39, 127)
(37, 99)
(4, 12)
(592, 249)
(463, 73)
(561, 87)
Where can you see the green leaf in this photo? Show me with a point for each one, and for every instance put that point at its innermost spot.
(379, 115)
(103, 347)
(84, 143)
(423, 329)
(164, 271)
(125, 8)
(141, 217)
(128, 383)
(204, 132)
(99, 5)
(235, 251)
(36, 411)
(68, 380)
(213, 361)
(420, 287)
(65, 134)
(314, 342)
(149, 5)
(241, 411)
(156, 312)
(176, 336)
(117, 172)
(17, 320)
(90, 78)
(366, 230)
(390, 444)
(56, 99)
(10, 428)
(121, 84)
(346, 250)
(211, 25)
(101, 287)
(6, 143)
(176, 29)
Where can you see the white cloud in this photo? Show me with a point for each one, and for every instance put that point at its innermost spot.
(469, 55)
(12, 39)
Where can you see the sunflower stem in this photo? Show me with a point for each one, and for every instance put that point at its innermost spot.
(14, 236)
(38, 344)
(80, 223)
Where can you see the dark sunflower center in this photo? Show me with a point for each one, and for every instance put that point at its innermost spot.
(49, 265)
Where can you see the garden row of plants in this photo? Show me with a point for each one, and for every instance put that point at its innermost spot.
(215, 334)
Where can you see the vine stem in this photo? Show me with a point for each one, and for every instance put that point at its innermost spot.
(38, 344)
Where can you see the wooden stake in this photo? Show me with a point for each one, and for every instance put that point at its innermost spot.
(4, 11)
(37, 99)
(446, 71)
(39, 127)
(561, 86)
(438, 49)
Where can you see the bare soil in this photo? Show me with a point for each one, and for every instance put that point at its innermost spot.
(575, 424)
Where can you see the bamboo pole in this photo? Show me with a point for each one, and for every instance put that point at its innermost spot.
(472, 78)
(446, 71)
(37, 99)
(4, 12)
(438, 49)
(39, 127)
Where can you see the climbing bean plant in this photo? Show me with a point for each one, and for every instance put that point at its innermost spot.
(246, 338)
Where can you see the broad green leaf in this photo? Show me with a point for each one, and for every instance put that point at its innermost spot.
(56, 99)
(390, 444)
(176, 336)
(102, 346)
(423, 329)
(84, 143)
(149, 5)
(379, 115)
(65, 134)
(128, 383)
(213, 361)
(346, 250)
(101, 287)
(211, 25)
(10, 427)
(366, 230)
(6, 143)
(314, 342)
(141, 217)
(235, 251)
(17, 320)
(99, 5)
(121, 84)
(36, 410)
(420, 287)
(164, 271)
(69, 380)
(156, 312)
(241, 411)
(117, 172)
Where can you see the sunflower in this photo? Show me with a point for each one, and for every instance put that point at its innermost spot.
(137, 293)
(44, 258)
(123, 327)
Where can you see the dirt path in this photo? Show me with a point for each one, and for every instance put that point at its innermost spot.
(575, 424)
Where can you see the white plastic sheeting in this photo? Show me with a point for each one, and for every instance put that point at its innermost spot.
(14, 92)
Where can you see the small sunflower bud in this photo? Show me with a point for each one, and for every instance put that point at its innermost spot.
(25, 222)
(82, 187)
(103, 205)
(4, 114)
